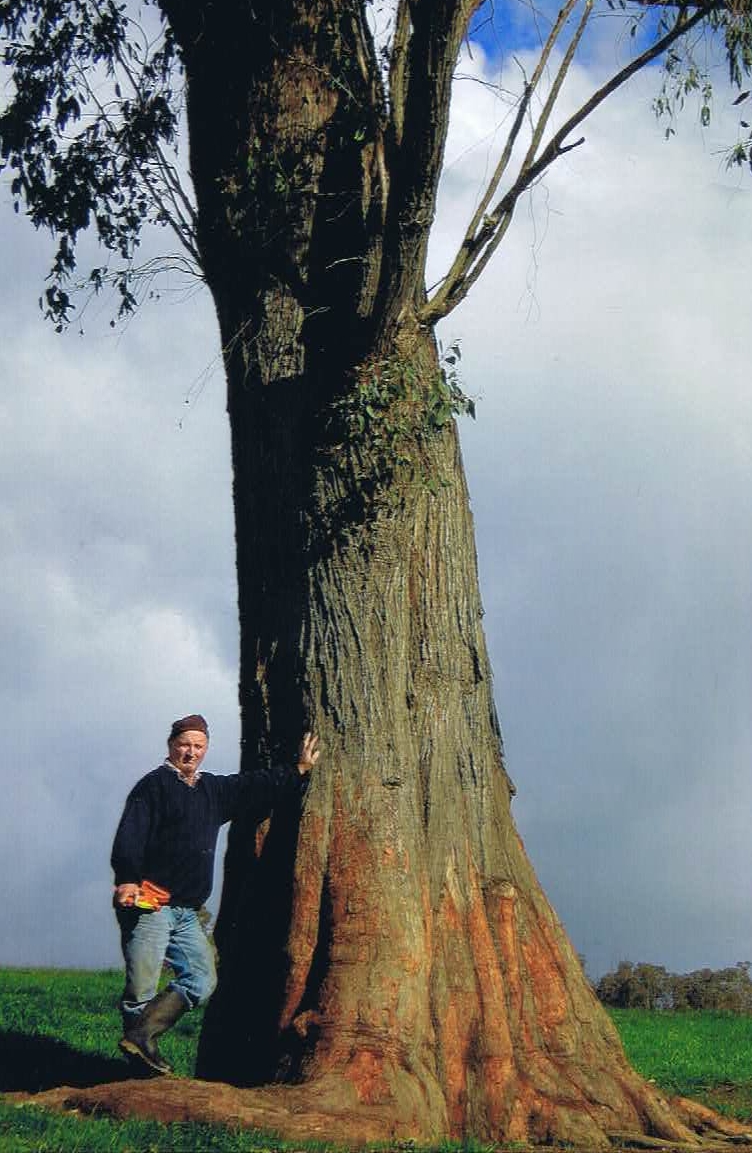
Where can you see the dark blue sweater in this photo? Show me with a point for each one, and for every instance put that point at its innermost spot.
(168, 831)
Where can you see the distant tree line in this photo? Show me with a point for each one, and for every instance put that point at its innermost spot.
(652, 987)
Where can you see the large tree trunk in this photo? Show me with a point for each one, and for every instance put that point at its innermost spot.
(393, 955)
(387, 954)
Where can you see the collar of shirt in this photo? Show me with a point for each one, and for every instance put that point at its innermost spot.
(175, 769)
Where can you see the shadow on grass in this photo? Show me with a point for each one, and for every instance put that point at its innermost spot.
(32, 1063)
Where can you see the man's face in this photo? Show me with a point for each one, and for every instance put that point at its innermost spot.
(187, 750)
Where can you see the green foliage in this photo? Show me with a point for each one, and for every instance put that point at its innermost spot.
(392, 411)
(682, 79)
(92, 103)
(687, 72)
(94, 107)
(652, 987)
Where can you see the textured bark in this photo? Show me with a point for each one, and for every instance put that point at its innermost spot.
(387, 955)
(393, 954)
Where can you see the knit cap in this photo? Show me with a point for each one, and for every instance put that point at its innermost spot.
(194, 723)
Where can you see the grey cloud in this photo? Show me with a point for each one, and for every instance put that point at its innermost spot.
(610, 470)
(118, 586)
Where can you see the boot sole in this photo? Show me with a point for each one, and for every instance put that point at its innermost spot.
(133, 1052)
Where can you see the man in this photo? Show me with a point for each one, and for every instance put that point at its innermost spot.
(163, 858)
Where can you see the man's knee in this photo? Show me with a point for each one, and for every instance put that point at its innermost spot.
(205, 980)
(195, 991)
(209, 985)
(198, 983)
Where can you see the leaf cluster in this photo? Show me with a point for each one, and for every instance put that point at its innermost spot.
(394, 408)
(383, 442)
(94, 99)
(687, 72)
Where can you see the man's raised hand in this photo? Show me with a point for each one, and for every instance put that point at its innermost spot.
(308, 753)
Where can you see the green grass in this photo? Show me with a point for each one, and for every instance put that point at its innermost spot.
(78, 1009)
(62, 1027)
(26, 1129)
(694, 1054)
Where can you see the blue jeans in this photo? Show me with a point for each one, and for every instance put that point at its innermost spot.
(172, 934)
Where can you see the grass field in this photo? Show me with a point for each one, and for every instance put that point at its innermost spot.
(707, 1056)
(59, 1027)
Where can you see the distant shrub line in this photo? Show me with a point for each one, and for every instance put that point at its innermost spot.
(653, 987)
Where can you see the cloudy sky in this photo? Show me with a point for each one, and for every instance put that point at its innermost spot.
(611, 474)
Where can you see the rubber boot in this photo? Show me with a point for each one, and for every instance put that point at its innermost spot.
(140, 1041)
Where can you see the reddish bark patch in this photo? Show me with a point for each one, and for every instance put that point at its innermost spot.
(304, 920)
(366, 1073)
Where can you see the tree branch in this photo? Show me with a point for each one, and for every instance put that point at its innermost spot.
(555, 148)
(556, 87)
(464, 255)
(398, 69)
(374, 84)
(183, 226)
(181, 217)
(480, 248)
(430, 33)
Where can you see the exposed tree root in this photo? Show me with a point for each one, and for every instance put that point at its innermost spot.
(337, 1113)
(704, 1120)
(293, 1112)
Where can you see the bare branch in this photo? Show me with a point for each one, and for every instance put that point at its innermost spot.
(555, 146)
(480, 248)
(464, 255)
(436, 29)
(556, 87)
